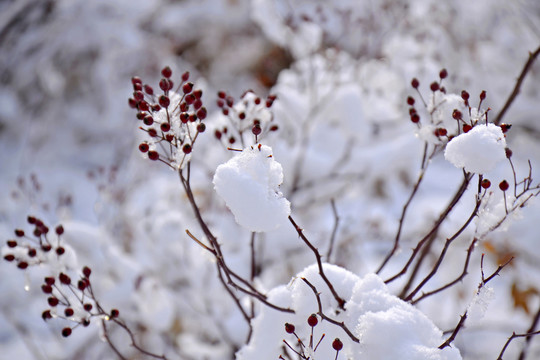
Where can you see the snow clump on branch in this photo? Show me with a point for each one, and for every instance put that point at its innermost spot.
(477, 151)
(249, 185)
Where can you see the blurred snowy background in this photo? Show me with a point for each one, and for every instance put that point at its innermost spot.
(341, 71)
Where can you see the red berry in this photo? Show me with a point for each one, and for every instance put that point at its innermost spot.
(443, 74)
(136, 80)
(165, 127)
(148, 120)
(410, 101)
(485, 183)
(19, 232)
(66, 332)
(64, 279)
(289, 328)
(46, 247)
(164, 84)
(166, 72)
(46, 315)
(81, 285)
(11, 243)
(503, 185)
(115, 313)
(434, 86)
(192, 118)
(22, 265)
(32, 252)
(466, 128)
(415, 83)
(465, 95)
(132, 103)
(505, 127)
(217, 134)
(198, 93)
(190, 99)
(232, 140)
(508, 152)
(152, 132)
(31, 219)
(201, 113)
(337, 344)
(197, 104)
(257, 100)
(186, 149)
(143, 147)
(49, 280)
(415, 118)
(242, 115)
(60, 250)
(312, 320)
(201, 127)
(187, 87)
(153, 155)
(68, 312)
(457, 115)
(52, 301)
(9, 257)
(184, 117)
(59, 230)
(483, 95)
(87, 307)
(256, 130)
(87, 271)
(185, 76)
(143, 106)
(138, 95)
(148, 89)
(47, 289)
(164, 101)
(441, 132)
(274, 128)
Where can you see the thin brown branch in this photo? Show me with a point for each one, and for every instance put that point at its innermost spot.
(404, 212)
(514, 336)
(531, 329)
(340, 301)
(324, 317)
(526, 68)
(457, 196)
(108, 340)
(334, 230)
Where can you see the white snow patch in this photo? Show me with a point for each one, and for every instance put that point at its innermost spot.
(249, 185)
(478, 150)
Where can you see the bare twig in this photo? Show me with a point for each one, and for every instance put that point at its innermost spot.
(531, 330)
(334, 230)
(324, 317)
(526, 68)
(514, 335)
(340, 301)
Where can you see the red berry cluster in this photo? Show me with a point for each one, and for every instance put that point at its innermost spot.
(73, 301)
(172, 119)
(300, 349)
(33, 249)
(463, 125)
(251, 115)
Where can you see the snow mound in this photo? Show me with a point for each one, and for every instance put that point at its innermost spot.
(477, 151)
(249, 185)
(387, 327)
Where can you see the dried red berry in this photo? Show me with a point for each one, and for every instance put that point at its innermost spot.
(64, 279)
(143, 106)
(11, 243)
(410, 101)
(485, 184)
(31, 220)
(217, 134)
(505, 127)
(81, 285)
(201, 113)
(198, 93)
(192, 118)
(164, 101)
(32, 252)
(187, 87)
(508, 152)
(60, 250)
(132, 103)
(434, 86)
(197, 104)
(86, 271)
(337, 344)
(19, 232)
(46, 315)
(256, 130)
(9, 257)
(153, 155)
(201, 127)
(138, 95)
(185, 76)
(415, 83)
(441, 132)
(483, 95)
(52, 301)
(274, 128)
(148, 120)
(312, 320)
(289, 328)
(503, 185)
(166, 72)
(190, 99)
(47, 289)
(46, 247)
(152, 132)
(186, 148)
(49, 280)
(115, 313)
(466, 128)
(143, 147)
(225, 112)
(66, 332)
(68, 312)
(22, 265)
(136, 80)
(148, 89)
(59, 230)
(415, 118)
(87, 307)
(164, 84)
(457, 115)
(165, 127)
(221, 94)
(443, 74)
(465, 95)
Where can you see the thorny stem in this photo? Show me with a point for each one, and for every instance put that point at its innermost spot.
(526, 68)
(514, 335)
(457, 196)
(484, 281)
(340, 301)
(324, 317)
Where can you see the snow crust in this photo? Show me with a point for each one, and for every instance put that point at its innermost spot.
(477, 151)
(388, 328)
(249, 185)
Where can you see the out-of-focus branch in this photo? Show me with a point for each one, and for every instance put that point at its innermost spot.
(526, 68)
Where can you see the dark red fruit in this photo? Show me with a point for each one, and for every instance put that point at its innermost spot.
(60, 250)
(201, 127)
(22, 265)
(115, 313)
(68, 312)
(47, 289)
(11, 243)
(66, 332)
(289, 328)
(483, 95)
(87, 307)
(186, 149)
(443, 74)
(143, 147)
(467, 128)
(59, 230)
(19, 232)
(410, 101)
(485, 183)
(64, 279)
(86, 271)
(153, 155)
(52, 301)
(415, 83)
(312, 320)
(46, 315)
(434, 86)
(9, 257)
(166, 72)
(503, 185)
(337, 344)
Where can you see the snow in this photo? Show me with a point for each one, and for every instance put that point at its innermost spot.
(249, 185)
(477, 151)
(479, 304)
(388, 328)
